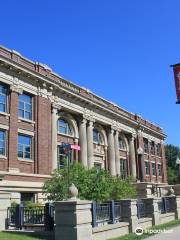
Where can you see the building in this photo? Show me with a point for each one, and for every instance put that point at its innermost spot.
(39, 110)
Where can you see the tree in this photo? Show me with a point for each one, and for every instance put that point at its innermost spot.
(92, 184)
(171, 153)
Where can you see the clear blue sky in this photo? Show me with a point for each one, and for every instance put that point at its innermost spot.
(120, 49)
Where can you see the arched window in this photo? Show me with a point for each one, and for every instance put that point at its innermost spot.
(97, 137)
(122, 144)
(64, 127)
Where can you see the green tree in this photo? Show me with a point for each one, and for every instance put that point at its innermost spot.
(92, 184)
(172, 152)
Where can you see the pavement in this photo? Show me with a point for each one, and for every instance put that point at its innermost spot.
(169, 234)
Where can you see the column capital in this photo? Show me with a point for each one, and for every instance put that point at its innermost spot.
(16, 88)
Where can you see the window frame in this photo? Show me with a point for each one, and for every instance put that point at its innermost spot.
(24, 110)
(23, 147)
(147, 167)
(61, 166)
(123, 144)
(146, 145)
(6, 97)
(5, 142)
(124, 175)
(153, 163)
(68, 128)
(100, 140)
(159, 164)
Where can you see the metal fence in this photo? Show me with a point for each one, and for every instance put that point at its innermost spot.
(20, 216)
(106, 213)
(141, 209)
(164, 205)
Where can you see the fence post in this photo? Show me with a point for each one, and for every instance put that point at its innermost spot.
(177, 209)
(155, 211)
(19, 216)
(93, 209)
(49, 216)
(112, 206)
(129, 213)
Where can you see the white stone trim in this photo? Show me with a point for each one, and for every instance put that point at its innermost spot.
(4, 127)
(25, 132)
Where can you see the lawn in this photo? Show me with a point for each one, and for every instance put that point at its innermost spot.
(133, 236)
(18, 236)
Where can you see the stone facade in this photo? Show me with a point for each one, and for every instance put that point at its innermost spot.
(62, 112)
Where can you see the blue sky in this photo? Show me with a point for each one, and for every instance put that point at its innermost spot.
(119, 49)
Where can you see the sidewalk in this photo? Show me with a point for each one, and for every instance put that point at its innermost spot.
(173, 234)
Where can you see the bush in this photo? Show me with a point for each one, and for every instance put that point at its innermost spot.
(92, 185)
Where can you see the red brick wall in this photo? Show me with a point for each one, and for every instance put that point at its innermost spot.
(44, 148)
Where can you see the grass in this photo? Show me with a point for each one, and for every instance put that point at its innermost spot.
(18, 236)
(133, 236)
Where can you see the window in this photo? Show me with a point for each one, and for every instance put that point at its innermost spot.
(3, 98)
(97, 166)
(158, 149)
(147, 168)
(25, 106)
(64, 127)
(122, 144)
(63, 156)
(123, 168)
(97, 137)
(24, 147)
(27, 197)
(146, 150)
(159, 169)
(153, 165)
(152, 144)
(2, 142)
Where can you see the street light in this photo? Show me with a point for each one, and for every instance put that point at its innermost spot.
(178, 163)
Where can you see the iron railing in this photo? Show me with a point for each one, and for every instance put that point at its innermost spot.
(164, 205)
(21, 216)
(106, 213)
(141, 209)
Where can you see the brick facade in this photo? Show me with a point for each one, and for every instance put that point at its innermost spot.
(73, 104)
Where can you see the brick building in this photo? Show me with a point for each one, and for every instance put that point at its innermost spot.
(39, 111)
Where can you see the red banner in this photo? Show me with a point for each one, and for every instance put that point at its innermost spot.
(176, 69)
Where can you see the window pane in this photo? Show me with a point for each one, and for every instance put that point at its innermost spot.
(21, 105)
(28, 107)
(2, 135)
(62, 130)
(25, 98)
(21, 113)
(20, 147)
(2, 151)
(27, 155)
(27, 115)
(2, 99)
(2, 107)
(20, 154)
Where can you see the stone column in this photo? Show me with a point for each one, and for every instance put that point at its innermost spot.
(152, 210)
(111, 152)
(73, 220)
(132, 157)
(90, 148)
(177, 207)
(129, 213)
(54, 136)
(83, 142)
(116, 145)
(5, 202)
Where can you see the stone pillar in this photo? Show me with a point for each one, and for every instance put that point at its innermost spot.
(73, 220)
(155, 211)
(83, 142)
(177, 208)
(129, 213)
(117, 158)
(13, 128)
(132, 157)
(4, 204)
(111, 152)
(54, 136)
(90, 148)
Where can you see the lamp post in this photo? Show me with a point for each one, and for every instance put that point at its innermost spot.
(178, 163)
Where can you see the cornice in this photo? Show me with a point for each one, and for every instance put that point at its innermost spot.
(16, 62)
